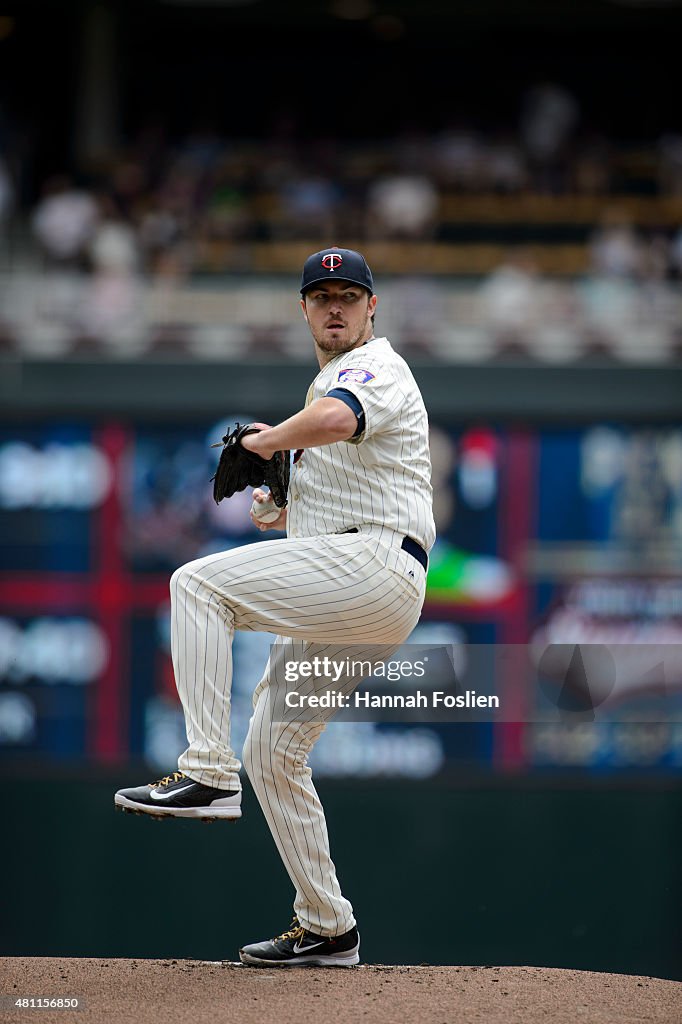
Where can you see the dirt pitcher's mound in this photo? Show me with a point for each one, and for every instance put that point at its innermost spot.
(150, 991)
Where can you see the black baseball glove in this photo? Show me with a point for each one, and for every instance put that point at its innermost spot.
(239, 468)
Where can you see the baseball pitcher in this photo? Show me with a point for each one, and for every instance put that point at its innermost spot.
(357, 509)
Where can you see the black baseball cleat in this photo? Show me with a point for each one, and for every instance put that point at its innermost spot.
(177, 796)
(300, 948)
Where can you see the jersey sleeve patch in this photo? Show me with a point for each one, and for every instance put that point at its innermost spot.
(353, 376)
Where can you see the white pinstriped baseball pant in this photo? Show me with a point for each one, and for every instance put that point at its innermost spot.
(329, 594)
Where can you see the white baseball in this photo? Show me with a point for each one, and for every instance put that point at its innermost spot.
(265, 511)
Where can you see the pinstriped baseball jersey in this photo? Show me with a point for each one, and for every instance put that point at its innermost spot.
(380, 478)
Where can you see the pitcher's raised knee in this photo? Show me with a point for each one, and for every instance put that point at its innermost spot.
(210, 575)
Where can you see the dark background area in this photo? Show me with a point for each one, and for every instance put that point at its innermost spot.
(260, 68)
(495, 874)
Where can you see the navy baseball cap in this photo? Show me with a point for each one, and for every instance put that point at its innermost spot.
(337, 264)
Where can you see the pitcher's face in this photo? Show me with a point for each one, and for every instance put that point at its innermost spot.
(338, 314)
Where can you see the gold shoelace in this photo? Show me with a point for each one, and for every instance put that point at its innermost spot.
(175, 777)
(295, 931)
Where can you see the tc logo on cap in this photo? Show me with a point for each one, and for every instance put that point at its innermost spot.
(331, 261)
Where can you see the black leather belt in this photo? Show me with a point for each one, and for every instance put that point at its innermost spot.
(409, 545)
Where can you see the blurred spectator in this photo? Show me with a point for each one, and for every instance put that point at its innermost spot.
(110, 310)
(356, 173)
(64, 221)
(505, 167)
(179, 192)
(549, 116)
(402, 206)
(227, 212)
(414, 313)
(610, 306)
(458, 159)
(203, 146)
(159, 232)
(113, 249)
(307, 204)
(615, 248)
(168, 225)
(509, 301)
(127, 187)
(655, 259)
(590, 172)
